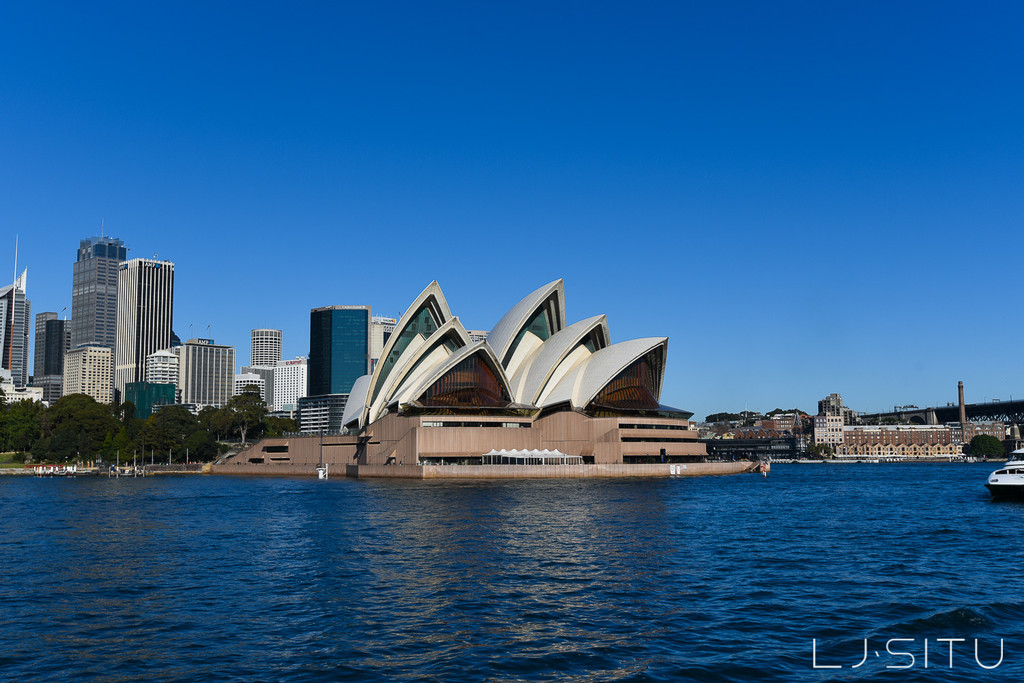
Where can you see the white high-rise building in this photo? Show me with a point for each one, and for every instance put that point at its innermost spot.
(15, 317)
(265, 348)
(206, 372)
(290, 378)
(89, 370)
(145, 304)
(249, 379)
(162, 367)
(380, 331)
(265, 352)
(266, 376)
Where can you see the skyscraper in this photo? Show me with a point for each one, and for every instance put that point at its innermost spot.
(265, 352)
(53, 341)
(339, 348)
(15, 317)
(380, 331)
(249, 379)
(87, 370)
(39, 355)
(145, 304)
(94, 291)
(265, 348)
(266, 382)
(339, 354)
(290, 382)
(206, 372)
(162, 367)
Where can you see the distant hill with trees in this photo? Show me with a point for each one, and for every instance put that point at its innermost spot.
(750, 415)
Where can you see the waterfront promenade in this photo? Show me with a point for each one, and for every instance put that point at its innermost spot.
(693, 469)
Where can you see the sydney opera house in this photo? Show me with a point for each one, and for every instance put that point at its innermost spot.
(538, 386)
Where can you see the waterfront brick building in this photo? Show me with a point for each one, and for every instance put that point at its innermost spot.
(913, 441)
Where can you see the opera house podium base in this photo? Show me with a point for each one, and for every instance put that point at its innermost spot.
(693, 469)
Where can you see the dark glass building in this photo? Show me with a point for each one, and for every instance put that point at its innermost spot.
(148, 395)
(56, 344)
(94, 291)
(339, 348)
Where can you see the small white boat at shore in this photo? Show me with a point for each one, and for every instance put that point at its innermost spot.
(55, 470)
(1008, 480)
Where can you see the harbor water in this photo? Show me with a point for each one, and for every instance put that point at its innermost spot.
(735, 578)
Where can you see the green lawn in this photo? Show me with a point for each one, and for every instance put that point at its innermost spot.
(7, 460)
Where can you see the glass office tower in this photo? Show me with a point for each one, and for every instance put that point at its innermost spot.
(339, 354)
(94, 291)
(339, 348)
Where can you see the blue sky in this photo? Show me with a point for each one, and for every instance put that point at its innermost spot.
(805, 197)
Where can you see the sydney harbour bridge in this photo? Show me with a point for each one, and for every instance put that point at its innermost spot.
(1011, 411)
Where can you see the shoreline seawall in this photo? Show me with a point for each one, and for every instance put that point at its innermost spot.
(693, 469)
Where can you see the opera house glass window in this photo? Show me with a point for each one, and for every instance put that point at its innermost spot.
(539, 326)
(635, 388)
(422, 324)
(470, 384)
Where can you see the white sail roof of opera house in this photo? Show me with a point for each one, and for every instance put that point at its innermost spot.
(419, 358)
(355, 407)
(428, 312)
(583, 383)
(557, 356)
(530, 360)
(528, 324)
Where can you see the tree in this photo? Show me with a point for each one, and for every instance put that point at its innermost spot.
(21, 425)
(125, 412)
(76, 426)
(168, 428)
(276, 426)
(985, 446)
(217, 421)
(200, 445)
(821, 450)
(784, 411)
(120, 446)
(246, 409)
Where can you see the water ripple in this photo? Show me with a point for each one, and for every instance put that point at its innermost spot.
(710, 579)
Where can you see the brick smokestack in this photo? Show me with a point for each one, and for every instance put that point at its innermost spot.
(963, 408)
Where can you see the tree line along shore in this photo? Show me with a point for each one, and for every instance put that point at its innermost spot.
(78, 429)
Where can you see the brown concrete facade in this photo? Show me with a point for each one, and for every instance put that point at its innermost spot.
(304, 452)
(434, 440)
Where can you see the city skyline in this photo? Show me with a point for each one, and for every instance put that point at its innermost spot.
(804, 199)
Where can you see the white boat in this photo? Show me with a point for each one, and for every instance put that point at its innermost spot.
(1008, 480)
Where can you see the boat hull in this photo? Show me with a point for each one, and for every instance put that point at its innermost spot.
(1006, 490)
